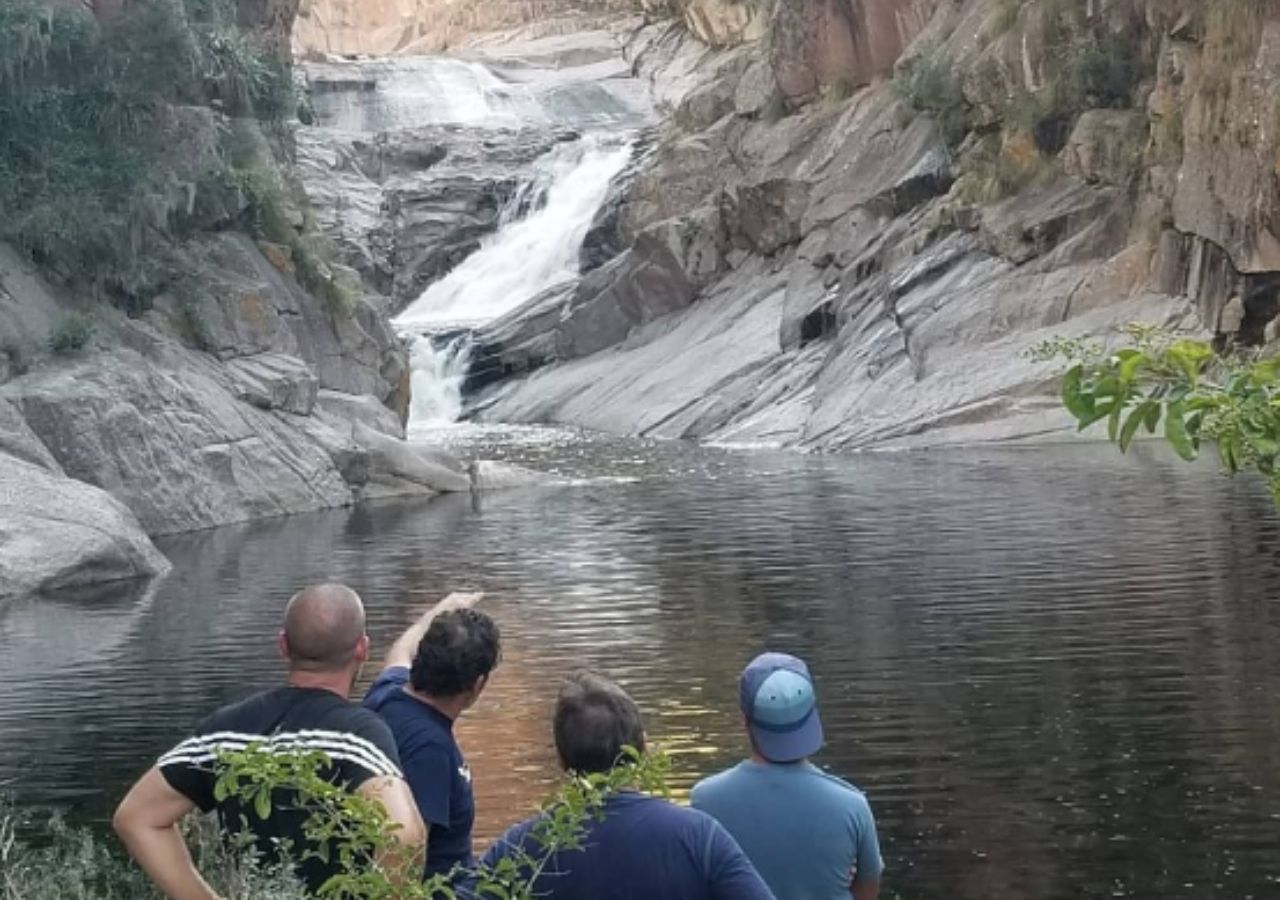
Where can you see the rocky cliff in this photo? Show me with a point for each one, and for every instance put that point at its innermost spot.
(387, 27)
(862, 213)
(183, 351)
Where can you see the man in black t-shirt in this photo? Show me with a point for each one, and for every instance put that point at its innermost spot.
(325, 643)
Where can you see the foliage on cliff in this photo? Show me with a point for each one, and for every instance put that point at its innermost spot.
(101, 123)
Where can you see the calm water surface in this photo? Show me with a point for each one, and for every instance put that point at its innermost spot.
(1055, 672)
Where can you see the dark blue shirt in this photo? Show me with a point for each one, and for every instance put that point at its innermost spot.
(643, 849)
(434, 767)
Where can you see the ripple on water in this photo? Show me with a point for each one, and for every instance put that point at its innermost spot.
(1054, 673)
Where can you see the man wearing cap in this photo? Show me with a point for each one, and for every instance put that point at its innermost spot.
(809, 834)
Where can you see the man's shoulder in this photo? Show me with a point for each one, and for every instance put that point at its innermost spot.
(512, 841)
(838, 787)
(719, 781)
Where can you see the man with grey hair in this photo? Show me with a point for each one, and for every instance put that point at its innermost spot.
(324, 642)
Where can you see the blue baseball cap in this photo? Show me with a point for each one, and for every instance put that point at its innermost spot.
(777, 696)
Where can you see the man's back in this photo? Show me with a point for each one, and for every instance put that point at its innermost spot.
(433, 763)
(804, 830)
(644, 848)
(289, 718)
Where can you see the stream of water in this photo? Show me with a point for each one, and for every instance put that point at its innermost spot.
(1054, 672)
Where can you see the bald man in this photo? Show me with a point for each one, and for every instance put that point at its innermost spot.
(324, 642)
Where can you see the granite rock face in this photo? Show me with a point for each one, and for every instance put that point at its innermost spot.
(810, 271)
(58, 533)
(138, 433)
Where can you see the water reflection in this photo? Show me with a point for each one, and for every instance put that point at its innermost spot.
(1054, 673)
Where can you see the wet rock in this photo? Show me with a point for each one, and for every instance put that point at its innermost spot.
(397, 467)
(407, 206)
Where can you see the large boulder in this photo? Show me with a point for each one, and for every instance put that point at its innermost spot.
(58, 533)
(164, 432)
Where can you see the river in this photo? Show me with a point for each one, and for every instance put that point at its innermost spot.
(1054, 672)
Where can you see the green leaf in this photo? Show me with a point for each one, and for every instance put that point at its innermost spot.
(1140, 414)
(262, 803)
(1074, 399)
(1113, 421)
(1098, 413)
(1175, 431)
(1130, 362)
(1265, 446)
(1153, 417)
(1228, 458)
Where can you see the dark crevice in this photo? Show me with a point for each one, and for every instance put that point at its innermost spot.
(819, 324)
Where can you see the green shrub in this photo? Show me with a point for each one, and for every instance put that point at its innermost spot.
(929, 84)
(72, 334)
(86, 174)
(44, 858)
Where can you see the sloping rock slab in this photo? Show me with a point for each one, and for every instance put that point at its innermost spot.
(58, 533)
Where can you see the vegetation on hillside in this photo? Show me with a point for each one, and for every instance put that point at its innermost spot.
(117, 145)
(1007, 141)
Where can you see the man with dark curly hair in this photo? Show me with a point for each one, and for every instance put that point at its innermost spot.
(434, 673)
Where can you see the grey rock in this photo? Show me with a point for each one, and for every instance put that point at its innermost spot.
(1106, 146)
(169, 438)
(399, 467)
(17, 440)
(406, 206)
(764, 217)
(275, 381)
(756, 89)
(1036, 221)
(362, 408)
(57, 533)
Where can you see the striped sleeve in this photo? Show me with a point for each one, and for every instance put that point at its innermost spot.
(191, 766)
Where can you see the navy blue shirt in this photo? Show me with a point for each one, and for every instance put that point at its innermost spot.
(434, 767)
(644, 848)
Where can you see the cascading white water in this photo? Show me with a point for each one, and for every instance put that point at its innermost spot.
(535, 248)
(438, 365)
(410, 92)
(531, 253)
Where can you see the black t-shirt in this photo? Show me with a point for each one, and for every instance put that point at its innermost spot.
(357, 741)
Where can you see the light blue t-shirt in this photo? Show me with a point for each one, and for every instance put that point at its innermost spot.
(805, 831)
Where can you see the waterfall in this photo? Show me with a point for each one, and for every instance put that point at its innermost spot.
(439, 364)
(535, 248)
(529, 253)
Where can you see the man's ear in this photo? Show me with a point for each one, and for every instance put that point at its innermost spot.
(362, 648)
(282, 644)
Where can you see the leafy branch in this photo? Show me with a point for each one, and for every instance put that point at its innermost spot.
(353, 830)
(1201, 397)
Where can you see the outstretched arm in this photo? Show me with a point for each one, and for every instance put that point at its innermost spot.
(403, 650)
(147, 822)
